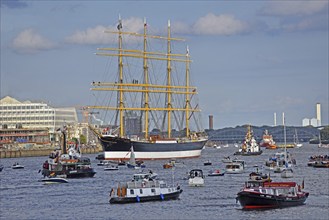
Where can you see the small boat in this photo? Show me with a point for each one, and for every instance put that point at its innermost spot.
(103, 163)
(216, 173)
(143, 188)
(259, 177)
(168, 166)
(52, 180)
(258, 195)
(322, 164)
(132, 161)
(227, 160)
(287, 173)
(1, 167)
(121, 163)
(207, 163)
(111, 167)
(234, 167)
(17, 166)
(297, 144)
(196, 178)
(100, 156)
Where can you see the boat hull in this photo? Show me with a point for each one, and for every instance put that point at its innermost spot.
(249, 153)
(169, 196)
(118, 148)
(249, 200)
(54, 180)
(70, 174)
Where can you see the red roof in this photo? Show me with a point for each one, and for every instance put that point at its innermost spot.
(280, 184)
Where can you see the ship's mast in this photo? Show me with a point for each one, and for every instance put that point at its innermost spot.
(121, 109)
(187, 97)
(146, 82)
(169, 81)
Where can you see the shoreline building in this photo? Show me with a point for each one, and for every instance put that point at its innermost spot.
(27, 121)
(315, 122)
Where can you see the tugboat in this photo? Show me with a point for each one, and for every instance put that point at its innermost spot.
(144, 188)
(249, 146)
(265, 195)
(268, 141)
(69, 165)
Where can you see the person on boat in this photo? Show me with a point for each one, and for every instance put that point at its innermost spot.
(45, 165)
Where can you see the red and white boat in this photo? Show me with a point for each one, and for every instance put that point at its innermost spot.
(258, 195)
(268, 141)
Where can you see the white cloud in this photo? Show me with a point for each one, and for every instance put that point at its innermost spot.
(286, 8)
(309, 23)
(219, 25)
(96, 35)
(29, 41)
(181, 27)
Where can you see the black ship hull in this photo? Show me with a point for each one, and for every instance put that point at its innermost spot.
(249, 200)
(169, 196)
(119, 148)
(83, 173)
(249, 153)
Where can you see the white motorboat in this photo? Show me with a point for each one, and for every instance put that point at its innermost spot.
(287, 173)
(196, 178)
(143, 188)
(111, 168)
(17, 166)
(104, 163)
(234, 168)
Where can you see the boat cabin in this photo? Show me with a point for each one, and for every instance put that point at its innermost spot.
(196, 173)
(273, 188)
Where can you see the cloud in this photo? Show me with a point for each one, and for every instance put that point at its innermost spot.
(96, 34)
(292, 8)
(287, 101)
(308, 23)
(29, 41)
(219, 25)
(13, 4)
(207, 25)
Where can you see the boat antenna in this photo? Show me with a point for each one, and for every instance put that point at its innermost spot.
(285, 138)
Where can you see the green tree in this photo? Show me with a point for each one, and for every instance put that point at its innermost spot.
(83, 139)
(324, 133)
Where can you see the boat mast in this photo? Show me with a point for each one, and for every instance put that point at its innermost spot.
(285, 139)
(120, 80)
(146, 82)
(187, 97)
(169, 80)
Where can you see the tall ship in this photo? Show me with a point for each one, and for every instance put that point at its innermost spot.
(150, 103)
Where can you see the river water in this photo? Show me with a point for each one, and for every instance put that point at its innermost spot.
(23, 197)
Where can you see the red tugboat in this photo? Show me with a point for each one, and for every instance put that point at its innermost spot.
(268, 141)
(258, 195)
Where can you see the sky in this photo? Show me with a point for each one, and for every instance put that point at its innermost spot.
(251, 59)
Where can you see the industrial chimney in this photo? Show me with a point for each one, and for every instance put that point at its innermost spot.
(274, 118)
(318, 113)
(211, 122)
